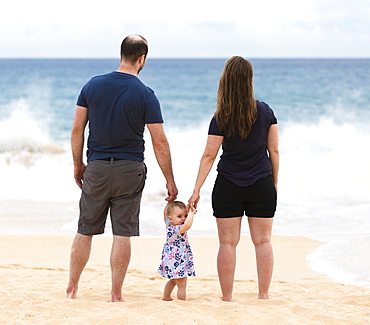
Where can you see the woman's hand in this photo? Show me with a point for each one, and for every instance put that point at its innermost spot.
(194, 199)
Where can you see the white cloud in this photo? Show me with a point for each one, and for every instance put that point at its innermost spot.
(267, 28)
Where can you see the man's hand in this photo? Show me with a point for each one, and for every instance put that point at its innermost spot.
(171, 191)
(79, 174)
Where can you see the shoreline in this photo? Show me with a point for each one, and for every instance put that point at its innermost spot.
(34, 275)
(342, 257)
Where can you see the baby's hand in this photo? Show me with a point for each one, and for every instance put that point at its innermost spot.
(192, 209)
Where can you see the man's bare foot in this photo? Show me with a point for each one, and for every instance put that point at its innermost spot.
(71, 293)
(117, 299)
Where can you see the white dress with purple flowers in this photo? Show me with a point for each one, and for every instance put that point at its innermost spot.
(177, 257)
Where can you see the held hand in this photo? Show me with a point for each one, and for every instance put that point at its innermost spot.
(191, 209)
(79, 174)
(171, 191)
(193, 201)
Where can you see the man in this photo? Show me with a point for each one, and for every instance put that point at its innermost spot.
(117, 106)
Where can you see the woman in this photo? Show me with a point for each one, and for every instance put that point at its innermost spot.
(247, 173)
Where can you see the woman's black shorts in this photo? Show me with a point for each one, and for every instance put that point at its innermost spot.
(257, 200)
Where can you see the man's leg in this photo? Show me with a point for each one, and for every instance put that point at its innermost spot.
(80, 254)
(119, 260)
(127, 183)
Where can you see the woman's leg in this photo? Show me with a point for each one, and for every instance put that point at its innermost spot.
(260, 229)
(229, 235)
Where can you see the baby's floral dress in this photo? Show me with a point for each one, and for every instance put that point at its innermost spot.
(177, 257)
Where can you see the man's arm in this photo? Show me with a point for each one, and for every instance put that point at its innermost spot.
(163, 155)
(77, 143)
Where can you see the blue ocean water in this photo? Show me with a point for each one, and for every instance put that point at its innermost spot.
(323, 109)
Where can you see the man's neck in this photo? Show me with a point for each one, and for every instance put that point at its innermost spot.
(127, 68)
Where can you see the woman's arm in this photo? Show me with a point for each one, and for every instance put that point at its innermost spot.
(210, 153)
(273, 150)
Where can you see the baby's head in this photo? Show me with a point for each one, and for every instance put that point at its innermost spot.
(176, 212)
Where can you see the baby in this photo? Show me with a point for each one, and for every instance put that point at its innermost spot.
(177, 257)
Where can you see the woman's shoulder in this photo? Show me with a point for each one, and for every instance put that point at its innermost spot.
(213, 128)
(262, 105)
(265, 110)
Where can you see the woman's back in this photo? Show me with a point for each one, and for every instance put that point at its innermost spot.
(244, 161)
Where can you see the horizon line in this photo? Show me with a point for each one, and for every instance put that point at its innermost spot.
(187, 58)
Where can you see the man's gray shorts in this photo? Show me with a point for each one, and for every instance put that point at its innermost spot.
(116, 186)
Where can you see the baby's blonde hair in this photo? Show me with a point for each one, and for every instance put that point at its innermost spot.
(171, 205)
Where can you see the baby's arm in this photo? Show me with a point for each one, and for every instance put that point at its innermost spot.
(189, 220)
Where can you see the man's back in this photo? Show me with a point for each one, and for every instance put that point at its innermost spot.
(119, 105)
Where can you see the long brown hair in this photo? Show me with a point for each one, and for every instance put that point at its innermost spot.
(236, 109)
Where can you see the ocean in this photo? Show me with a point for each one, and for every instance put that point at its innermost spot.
(323, 110)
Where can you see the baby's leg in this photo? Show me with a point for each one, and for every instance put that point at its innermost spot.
(168, 290)
(181, 288)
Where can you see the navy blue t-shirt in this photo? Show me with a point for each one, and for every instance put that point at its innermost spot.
(244, 161)
(119, 105)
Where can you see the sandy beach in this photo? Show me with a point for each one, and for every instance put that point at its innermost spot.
(34, 274)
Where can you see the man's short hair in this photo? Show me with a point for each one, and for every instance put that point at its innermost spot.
(133, 47)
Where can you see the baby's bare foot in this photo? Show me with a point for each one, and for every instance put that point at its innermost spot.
(167, 298)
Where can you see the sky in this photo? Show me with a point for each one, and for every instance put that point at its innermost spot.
(191, 28)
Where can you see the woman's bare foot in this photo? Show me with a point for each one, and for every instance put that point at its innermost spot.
(227, 300)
